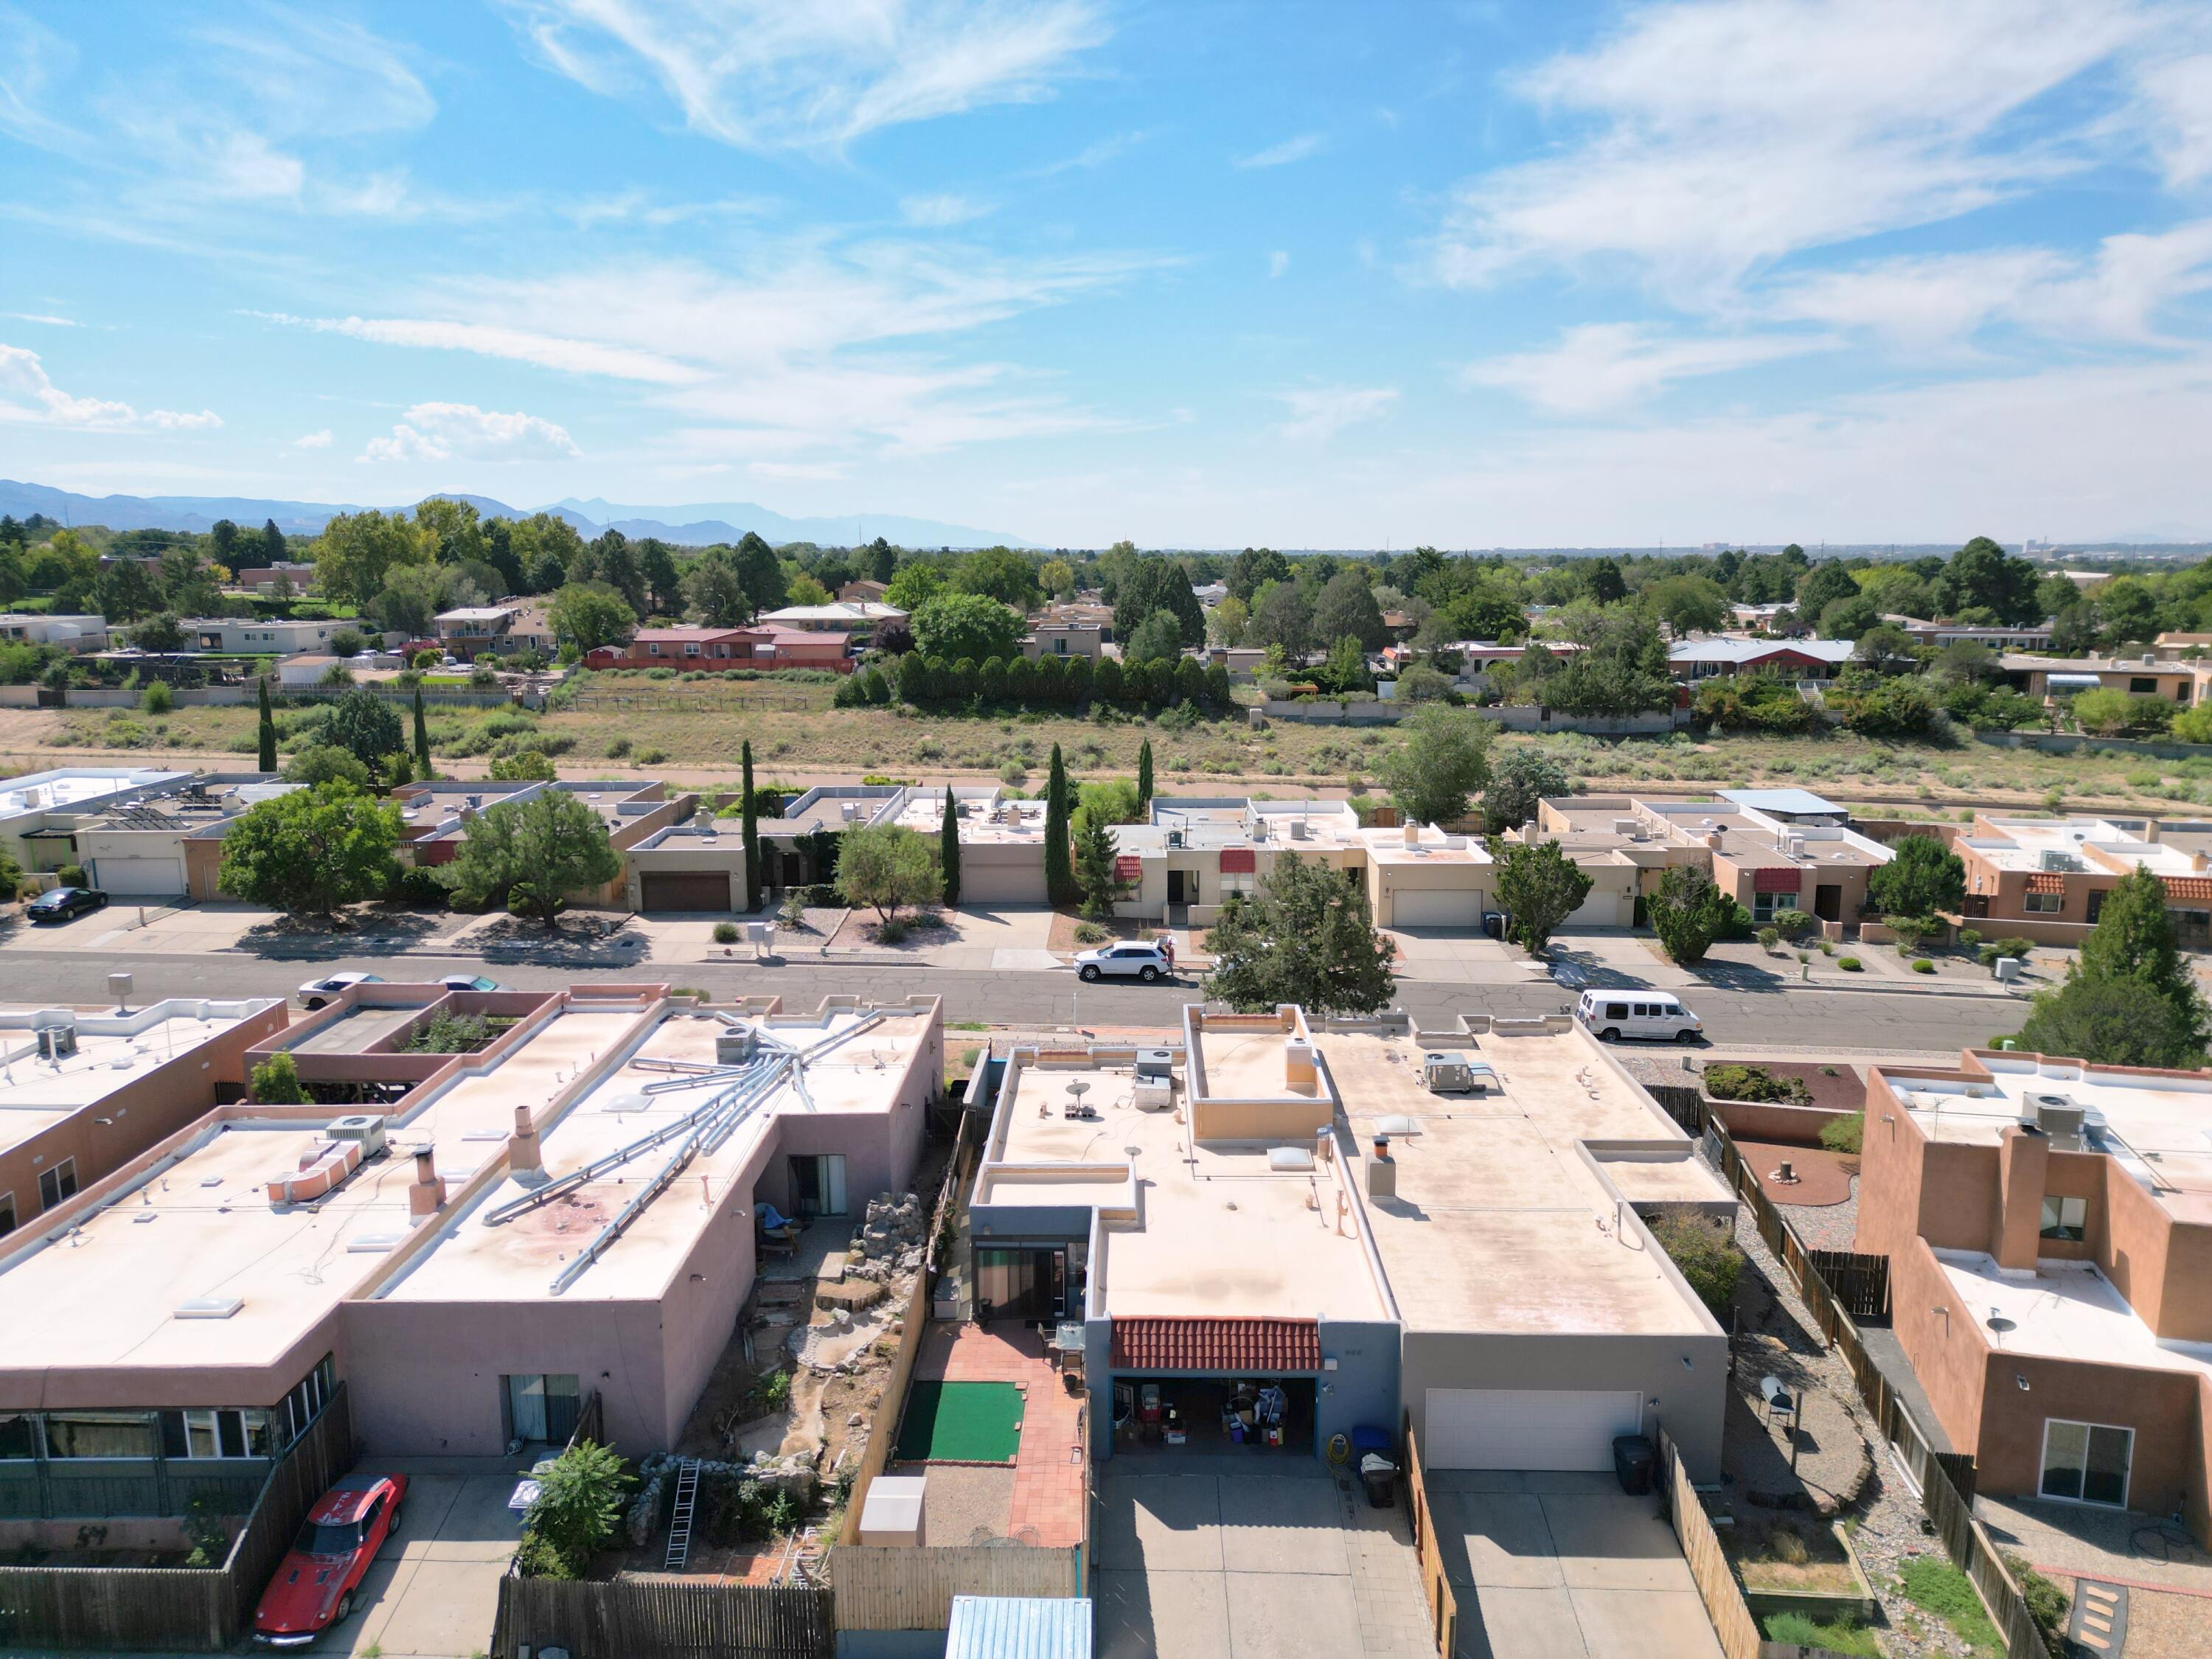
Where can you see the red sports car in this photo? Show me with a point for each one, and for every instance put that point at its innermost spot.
(316, 1583)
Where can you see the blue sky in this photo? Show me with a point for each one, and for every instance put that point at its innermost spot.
(1328, 275)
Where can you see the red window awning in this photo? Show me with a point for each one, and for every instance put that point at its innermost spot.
(1217, 1344)
(1778, 881)
(2196, 888)
(1239, 860)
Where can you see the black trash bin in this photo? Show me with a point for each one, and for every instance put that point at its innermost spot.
(1380, 1476)
(1634, 1461)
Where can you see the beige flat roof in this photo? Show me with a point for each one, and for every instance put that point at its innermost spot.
(1215, 1232)
(1498, 1224)
(108, 1294)
(2064, 1310)
(36, 1094)
(516, 1261)
(1243, 1064)
(1684, 1180)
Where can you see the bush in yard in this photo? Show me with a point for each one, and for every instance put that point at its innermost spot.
(1089, 932)
(2047, 1604)
(793, 914)
(887, 867)
(276, 1082)
(1923, 876)
(1757, 1084)
(1538, 884)
(157, 698)
(1710, 1259)
(1844, 1134)
(579, 1499)
(1689, 913)
(1909, 931)
(725, 932)
(1924, 966)
(1769, 937)
(1969, 937)
(537, 852)
(1849, 964)
(1794, 924)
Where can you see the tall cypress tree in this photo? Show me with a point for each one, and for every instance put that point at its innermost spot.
(752, 835)
(422, 738)
(268, 729)
(1058, 875)
(1144, 777)
(948, 850)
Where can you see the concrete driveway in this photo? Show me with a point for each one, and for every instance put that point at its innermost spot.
(431, 1594)
(1564, 1566)
(1461, 955)
(1239, 1557)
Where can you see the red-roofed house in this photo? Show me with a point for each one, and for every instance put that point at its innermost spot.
(722, 649)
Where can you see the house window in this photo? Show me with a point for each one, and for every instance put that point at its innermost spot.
(2096, 906)
(98, 1434)
(213, 1434)
(2142, 682)
(2065, 1218)
(1242, 881)
(691, 648)
(6, 1213)
(291, 1415)
(1764, 905)
(1060, 645)
(57, 1183)
(541, 1408)
(2044, 904)
(2087, 1462)
(19, 1436)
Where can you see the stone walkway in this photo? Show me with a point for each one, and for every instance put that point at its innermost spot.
(1386, 1578)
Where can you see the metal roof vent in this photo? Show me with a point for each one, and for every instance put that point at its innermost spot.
(209, 1307)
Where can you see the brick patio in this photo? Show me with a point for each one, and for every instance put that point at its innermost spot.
(1049, 1478)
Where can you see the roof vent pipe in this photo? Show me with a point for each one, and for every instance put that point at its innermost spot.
(1413, 832)
(525, 1158)
(427, 1195)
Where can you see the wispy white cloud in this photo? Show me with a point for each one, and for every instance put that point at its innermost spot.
(442, 432)
(2178, 97)
(1094, 154)
(1278, 263)
(809, 471)
(43, 317)
(1708, 139)
(1319, 413)
(940, 210)
(765, 75)
(1290, 150)
(313, 440)
(1602, 365)
(28, 396)
(570, 355)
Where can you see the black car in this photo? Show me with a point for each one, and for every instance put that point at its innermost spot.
(63, 902)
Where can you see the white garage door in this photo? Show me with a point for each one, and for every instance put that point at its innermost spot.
(138, 878)
(1436, 907)
(1000, 884)
(1603, 908)
(1528, 1428)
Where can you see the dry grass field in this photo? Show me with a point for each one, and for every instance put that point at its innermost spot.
(692, 733)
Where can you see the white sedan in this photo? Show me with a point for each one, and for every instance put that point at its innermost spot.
(317, 992)
(1146, 961)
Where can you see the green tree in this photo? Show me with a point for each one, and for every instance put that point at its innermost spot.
(578, 1502)
(1688, 605)
(752, 831)
(761, 572)
(1001, 574)
(367, 726)
(1982, 576)
(1603, 583)
(1095, 875)
(312, 852)
(1145, 776)
(266, 731)
(1445, 759)
(1539, 886)
(956, 625)
(128, 591)
(159, 632)
(1689, 913)
(326, 762)
(1058, 878)
(524, 766)
(276, 1082)
(536, 852)
(1159, 638)
(715, 589)
(1520, 780)
(1346, 608)
(357, 551)
(948, 849)
(2133, 938)
(422, 737)
(804, 590)
(1923, 877)
(1281, 617)
(1155, 584)
(1824, 585)
(591, 614)
(2123, 1021)
(887, 867)
(1305, 937)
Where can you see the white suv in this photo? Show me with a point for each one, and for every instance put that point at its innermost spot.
(1145, 961)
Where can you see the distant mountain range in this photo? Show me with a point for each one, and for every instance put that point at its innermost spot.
(695, 526)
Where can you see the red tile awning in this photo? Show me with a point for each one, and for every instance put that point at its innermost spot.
(2041, 882)
(1778, 881)
(2198, 888)
(1236, 861)
(1217, 1344)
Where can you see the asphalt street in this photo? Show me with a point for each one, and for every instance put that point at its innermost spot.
(1865, 1020)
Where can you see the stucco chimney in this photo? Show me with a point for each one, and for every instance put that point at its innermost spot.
(1381, 1170)
(427, 1195)
(1413, 832)
(1299, 1075)
(2023, 1167)
(1713, 839)
(525, 1159)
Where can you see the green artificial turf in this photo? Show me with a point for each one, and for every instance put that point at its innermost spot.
(961, 1423)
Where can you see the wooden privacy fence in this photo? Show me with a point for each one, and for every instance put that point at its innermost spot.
(888, 1588)
(1709, 1566)
(114, 1609)
(646, 1617)
(1946, 1480)
(1436, 1586)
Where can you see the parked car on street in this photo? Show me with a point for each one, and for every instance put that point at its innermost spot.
(1146, 961)
(1637, 1010)
(317, 991)
(469, 982)
(64, 903)
(317, 1581)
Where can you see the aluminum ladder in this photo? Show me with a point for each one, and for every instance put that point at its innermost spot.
(687, 1499)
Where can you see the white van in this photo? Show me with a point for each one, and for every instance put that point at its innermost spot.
(1636, 1011)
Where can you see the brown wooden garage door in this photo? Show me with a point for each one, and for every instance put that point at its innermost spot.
(684, 889)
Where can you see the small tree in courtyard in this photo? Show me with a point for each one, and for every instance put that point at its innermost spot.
(1305, 937)
(887, 868)
(536, 852)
